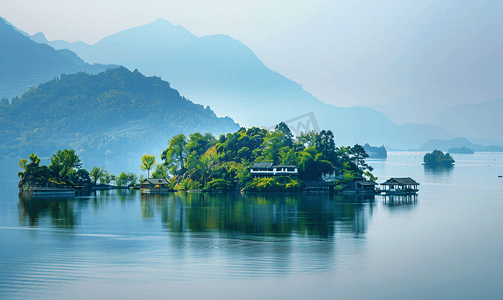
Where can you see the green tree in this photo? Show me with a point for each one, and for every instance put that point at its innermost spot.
(63, 161)
(122, 179)
(147, 162)
(35, 160)
(176, 154)
(96, 174)
(358, 156)
(161, 171)
(22, 163)
(286, 132)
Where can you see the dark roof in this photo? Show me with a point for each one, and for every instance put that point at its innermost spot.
(319, 183)
(262, 165)
(285, 166)
(366, 182)
(156, 181)
(400, 181)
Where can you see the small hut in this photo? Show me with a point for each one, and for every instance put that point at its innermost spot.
(400, 186)
(365, 186)
(154, 186)
(318, 187)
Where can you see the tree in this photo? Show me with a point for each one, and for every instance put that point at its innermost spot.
(147, 162)
(358, 156)
(176, 154)
(161, 171)
(35, 160)
(63, 161)
(96, 174)
(22, 163)
(287, 132)
(80, 177)
(122, 179)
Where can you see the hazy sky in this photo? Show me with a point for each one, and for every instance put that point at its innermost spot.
(343, 52)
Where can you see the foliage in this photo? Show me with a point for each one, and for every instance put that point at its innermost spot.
(280, 184)
(126, 179)
(96, 174)
(161, 171)
(176, 154)
(147, 162)
(437, 158)
(223, 163)
(117, 109)
(62, 162)
(218, 184)
(64, 170)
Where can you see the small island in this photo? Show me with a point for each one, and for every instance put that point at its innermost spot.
(461, 150)
(250, 160)
(375, 152)
(438, 159)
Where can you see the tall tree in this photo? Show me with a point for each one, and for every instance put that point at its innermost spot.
(176, 154)
(147, 162)
(287, 132)
(358, 156)
(63, 161)
(96, 174)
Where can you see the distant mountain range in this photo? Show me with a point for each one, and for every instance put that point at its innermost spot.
(484, 120)
(25, 63)
(222, 72)
(445, 145)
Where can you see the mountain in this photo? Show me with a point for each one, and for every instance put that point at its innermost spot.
(484, 120)
(223, 73)
(405, 109)
(116, 115)
(445, 145)
(25, 63)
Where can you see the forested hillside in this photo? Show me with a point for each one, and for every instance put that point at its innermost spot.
(114, 112)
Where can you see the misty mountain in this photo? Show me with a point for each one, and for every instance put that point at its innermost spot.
(113, 115)
(222, 72)
(445, 145)
(405, 109)
(25, 63)
(484, 120)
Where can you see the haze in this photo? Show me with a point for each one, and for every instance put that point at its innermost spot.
(427, 54)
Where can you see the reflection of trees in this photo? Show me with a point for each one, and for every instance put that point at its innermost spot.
(60, 210)
(439, 170)
(278, 215)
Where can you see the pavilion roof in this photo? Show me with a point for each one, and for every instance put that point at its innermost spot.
(400, 181)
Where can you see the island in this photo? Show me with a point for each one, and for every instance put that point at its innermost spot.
(461, 150)
(250, 160)
(375, 152)
(438, 159)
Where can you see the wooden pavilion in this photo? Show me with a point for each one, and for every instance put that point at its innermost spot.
(400, 186)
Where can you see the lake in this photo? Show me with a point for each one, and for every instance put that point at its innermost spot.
(445, 244)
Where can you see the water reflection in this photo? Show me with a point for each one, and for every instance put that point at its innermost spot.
(60, 210)
(439, 170)
(400, 200)
(264, 215)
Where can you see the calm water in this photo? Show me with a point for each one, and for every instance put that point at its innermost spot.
(448, 244)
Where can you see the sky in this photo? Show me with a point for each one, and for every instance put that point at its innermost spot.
(346, 53)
